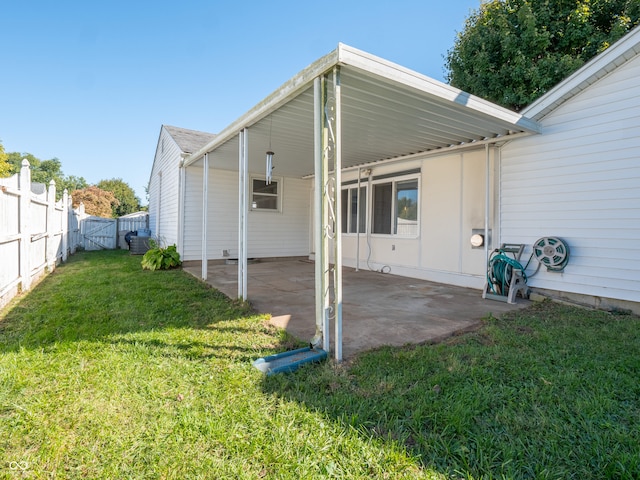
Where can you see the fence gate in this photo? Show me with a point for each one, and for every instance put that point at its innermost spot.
(99, 233)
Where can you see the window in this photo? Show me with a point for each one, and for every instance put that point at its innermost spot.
(395, 208)
(406, 221)
(265, 197)
(350, 210)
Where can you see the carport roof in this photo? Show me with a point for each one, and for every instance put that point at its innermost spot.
(388, 111)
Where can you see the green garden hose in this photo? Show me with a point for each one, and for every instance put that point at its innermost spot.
(500, 272)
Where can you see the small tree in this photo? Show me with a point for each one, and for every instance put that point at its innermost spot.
(127, 200)
(96, 201)
(5, 167)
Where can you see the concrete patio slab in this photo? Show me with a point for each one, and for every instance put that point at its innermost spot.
(378, 309)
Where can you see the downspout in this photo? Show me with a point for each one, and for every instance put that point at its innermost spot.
(486, 201)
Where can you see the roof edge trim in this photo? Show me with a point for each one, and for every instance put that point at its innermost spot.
(580, 79)
(395, 72)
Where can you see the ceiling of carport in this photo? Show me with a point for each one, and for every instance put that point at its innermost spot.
(387, 112)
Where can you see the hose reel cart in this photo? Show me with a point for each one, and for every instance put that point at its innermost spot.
(505, 274)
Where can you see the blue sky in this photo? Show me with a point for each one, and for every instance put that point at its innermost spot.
(91, 83)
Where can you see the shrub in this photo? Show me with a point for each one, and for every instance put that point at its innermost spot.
(160, 258)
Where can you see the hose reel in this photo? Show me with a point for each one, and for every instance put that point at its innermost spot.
(551, 252)
(506, 276)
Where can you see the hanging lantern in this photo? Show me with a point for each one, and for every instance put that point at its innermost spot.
(269, 166)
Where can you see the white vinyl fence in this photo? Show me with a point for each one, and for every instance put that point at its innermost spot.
(37, 233)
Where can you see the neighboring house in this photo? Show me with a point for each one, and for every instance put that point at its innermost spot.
(422, 167)
(174, 144)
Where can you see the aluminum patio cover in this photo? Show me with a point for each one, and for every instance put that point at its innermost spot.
(382, 112)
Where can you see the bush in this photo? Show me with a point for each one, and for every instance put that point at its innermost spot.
(159, 258)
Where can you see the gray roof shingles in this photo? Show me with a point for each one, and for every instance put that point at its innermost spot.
(189, 141)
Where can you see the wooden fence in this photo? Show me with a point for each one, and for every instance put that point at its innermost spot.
(37, 232)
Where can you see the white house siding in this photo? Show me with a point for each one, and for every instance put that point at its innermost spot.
(192, 214)
(580, 180)
(163, 190)
(271, 234)
(285, 233)
(452, 204)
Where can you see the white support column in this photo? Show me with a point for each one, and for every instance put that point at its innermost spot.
(318, 226)
(243, 211)
(205, 198)
(182, 188)
(357, 220)
(324, 245)
(337, 241)
(24, 186)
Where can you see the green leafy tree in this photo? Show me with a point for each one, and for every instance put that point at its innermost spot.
(127, 200)
(43, 171)
(5, 167)
(96, 201)
(71, 183)
(513, 51)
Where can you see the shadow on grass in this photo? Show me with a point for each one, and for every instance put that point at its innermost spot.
(548, 392)
(106, 297)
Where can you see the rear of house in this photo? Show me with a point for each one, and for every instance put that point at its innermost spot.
(580, 180)
(165, 201)
(568, 168)
(278, 216)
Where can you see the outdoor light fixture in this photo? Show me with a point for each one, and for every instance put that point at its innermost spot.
(269, 166)
(477, 240)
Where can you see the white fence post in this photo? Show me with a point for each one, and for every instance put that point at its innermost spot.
(66, 211)
(24, 188)
(36, 232)
(51, 253)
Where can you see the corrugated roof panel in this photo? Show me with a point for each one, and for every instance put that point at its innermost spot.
(387, 112)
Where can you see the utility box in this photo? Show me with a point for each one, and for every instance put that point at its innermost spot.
(139, 245)
(122, 242)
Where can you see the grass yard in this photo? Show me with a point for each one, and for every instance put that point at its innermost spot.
(111, 372)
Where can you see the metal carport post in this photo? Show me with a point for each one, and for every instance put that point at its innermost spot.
(243, 208)
(327, 211)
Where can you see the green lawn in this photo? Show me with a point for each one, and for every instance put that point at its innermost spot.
(109, 371)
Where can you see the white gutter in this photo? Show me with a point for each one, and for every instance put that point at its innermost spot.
(397, 73)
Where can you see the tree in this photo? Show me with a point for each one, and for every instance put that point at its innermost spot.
(43, 171)
(127, 200)
(96, 201)
(5, 167)
(513, 51)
